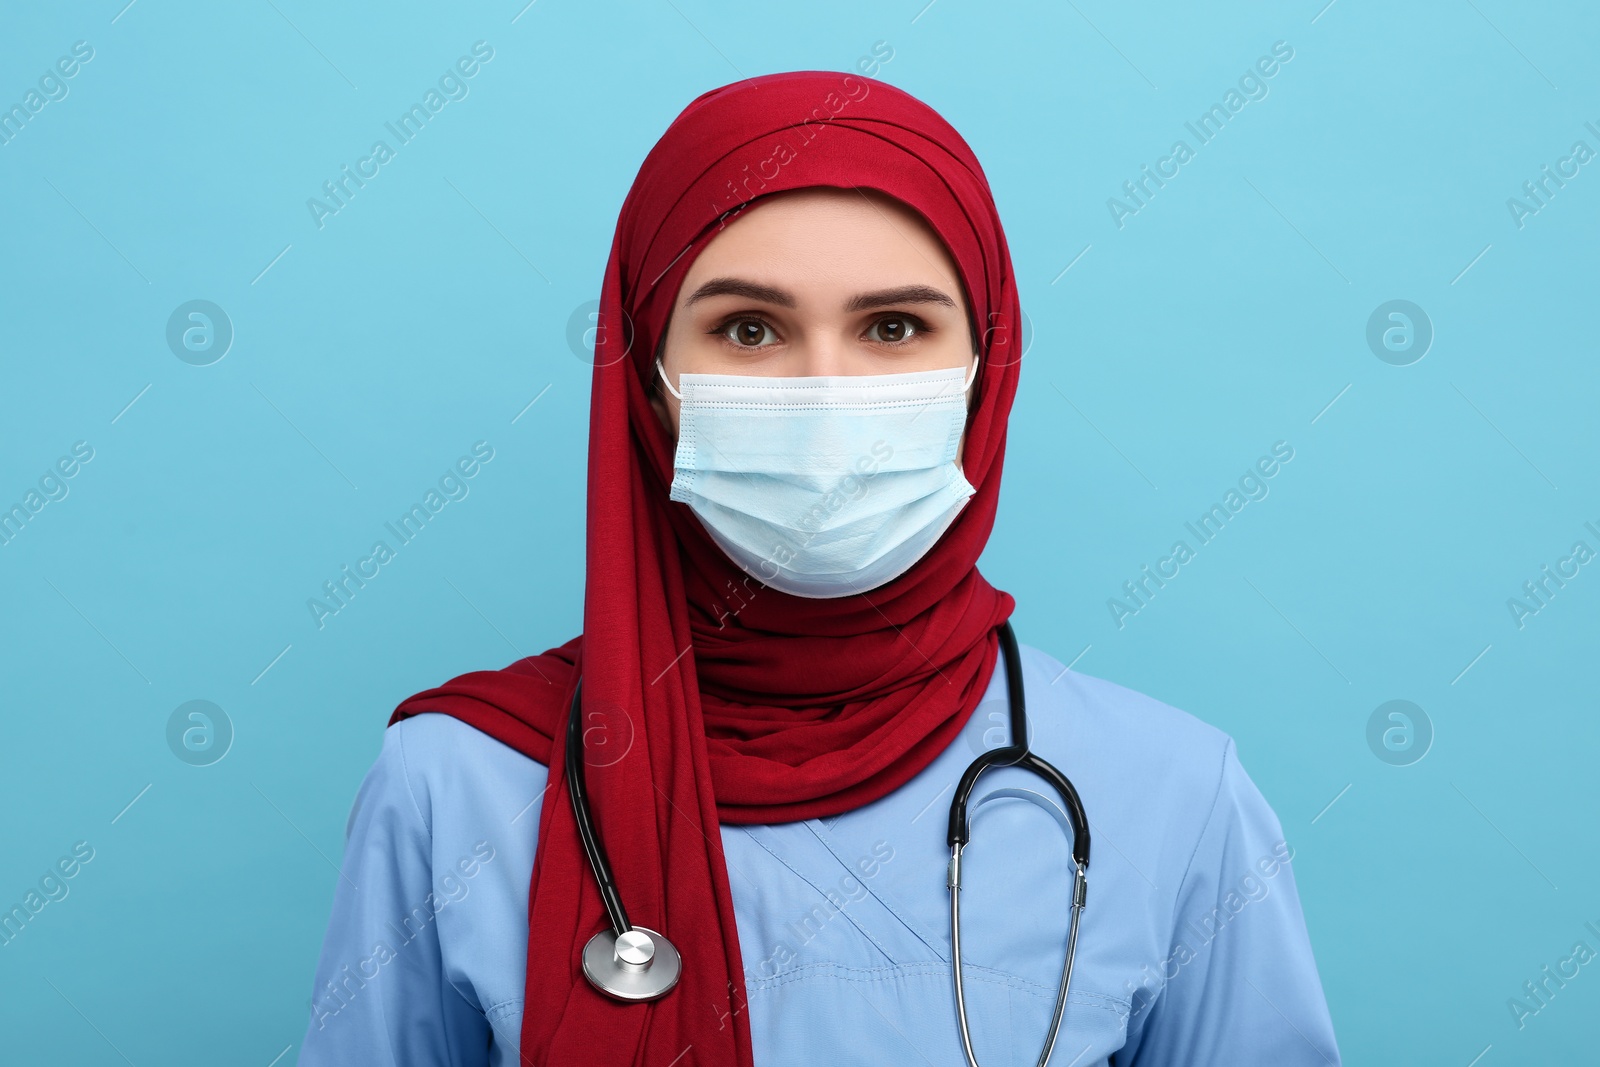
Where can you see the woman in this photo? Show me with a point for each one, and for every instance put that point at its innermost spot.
(808, 348)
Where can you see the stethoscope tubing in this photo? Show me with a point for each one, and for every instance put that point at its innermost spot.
(594, 848)
(1017, 754)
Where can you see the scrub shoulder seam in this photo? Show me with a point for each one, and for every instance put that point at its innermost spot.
(405, 775)
(1216, 796)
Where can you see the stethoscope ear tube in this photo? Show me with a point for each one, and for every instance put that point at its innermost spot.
(1075, 911)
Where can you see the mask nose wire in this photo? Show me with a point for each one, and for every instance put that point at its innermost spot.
(971, 376)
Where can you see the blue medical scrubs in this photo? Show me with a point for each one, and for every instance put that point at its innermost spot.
(1192, 950)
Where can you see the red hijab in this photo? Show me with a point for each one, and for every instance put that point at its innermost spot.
(723, 700)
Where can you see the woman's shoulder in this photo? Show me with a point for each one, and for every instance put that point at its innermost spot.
(452, 769)
(1111, 706)
(1154, 755)
(1157, 781)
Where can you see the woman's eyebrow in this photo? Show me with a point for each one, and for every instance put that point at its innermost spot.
(768, 294)
(904, 294)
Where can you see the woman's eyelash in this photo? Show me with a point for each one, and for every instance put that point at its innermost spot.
(918, 325)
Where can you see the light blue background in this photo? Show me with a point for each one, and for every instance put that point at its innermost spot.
(1228, 314)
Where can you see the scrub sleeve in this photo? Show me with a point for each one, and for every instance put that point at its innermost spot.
(382, 994)
(1240, 984)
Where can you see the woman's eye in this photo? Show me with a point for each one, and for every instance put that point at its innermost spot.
(748, 333)
(893, 329)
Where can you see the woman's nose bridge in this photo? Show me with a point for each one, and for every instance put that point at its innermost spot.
(826, 345)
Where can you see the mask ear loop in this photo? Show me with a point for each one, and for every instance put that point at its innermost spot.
(663, 372)
(974, 375)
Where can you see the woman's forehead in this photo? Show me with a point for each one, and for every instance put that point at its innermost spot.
(825, 240)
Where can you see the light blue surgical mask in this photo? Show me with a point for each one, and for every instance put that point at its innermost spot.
(822, 486)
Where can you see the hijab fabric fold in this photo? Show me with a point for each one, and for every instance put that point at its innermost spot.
(708, 697)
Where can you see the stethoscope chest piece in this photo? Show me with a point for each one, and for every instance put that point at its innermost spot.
(639, 965)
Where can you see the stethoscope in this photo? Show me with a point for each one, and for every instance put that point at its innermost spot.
(633, 963)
